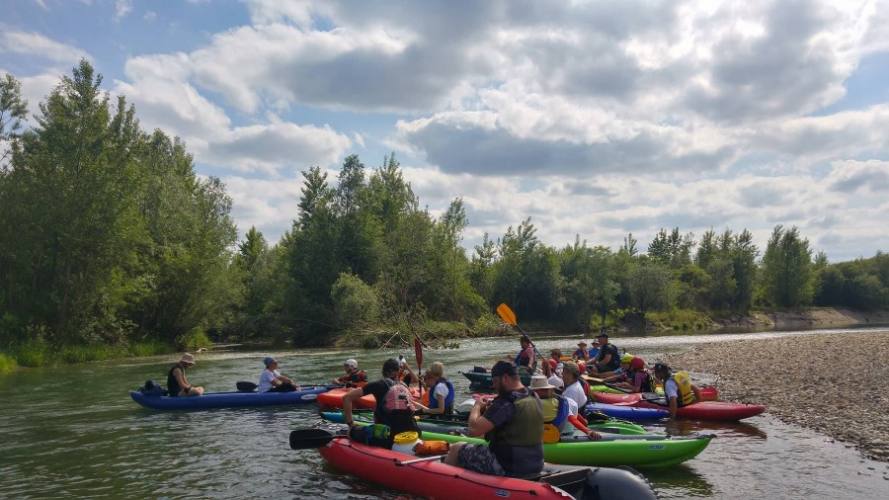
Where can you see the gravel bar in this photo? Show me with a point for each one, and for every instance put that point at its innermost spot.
(836, 384)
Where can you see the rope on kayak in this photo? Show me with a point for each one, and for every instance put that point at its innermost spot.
(455, 476)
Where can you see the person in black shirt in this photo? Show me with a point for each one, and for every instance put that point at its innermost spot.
(395, 410)
(608, 360)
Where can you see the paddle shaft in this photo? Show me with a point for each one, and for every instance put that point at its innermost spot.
(418, 460)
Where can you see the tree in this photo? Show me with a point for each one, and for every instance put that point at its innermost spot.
(13, 114)
(650, 287)
(787, 269)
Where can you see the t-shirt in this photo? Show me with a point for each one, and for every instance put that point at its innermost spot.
(517, 460)
(594, 351)
(441, 389)
(378, 388)
(526, 357)
(265, 380)
(581, 353)
(556, 381)
(671, 390)
(575, 393)
(614, 363)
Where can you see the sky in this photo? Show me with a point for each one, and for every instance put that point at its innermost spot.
(593, 118)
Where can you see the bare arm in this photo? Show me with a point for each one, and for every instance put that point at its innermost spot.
(441, 406)
(351, 396)
(479, 425)
(674, 406)
(179, 373)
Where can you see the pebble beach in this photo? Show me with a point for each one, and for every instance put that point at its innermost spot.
(835, 384)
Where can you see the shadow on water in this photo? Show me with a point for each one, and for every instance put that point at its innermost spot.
(681, 481)
(721, 429)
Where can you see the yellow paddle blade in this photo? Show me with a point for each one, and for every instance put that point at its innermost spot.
(506, 314)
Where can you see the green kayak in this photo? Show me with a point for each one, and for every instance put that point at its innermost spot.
(639, 453)
(610, 426)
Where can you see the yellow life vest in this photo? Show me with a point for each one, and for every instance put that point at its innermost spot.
(683, 384)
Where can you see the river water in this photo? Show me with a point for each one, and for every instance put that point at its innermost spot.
(73, 431)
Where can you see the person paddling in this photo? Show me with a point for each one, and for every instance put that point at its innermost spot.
(394, 404)
(271, 380)
(512, 424)
(525, 359)
(678, 389)
(582, 353)
(353, 377)
(177, 384)
(441, 391)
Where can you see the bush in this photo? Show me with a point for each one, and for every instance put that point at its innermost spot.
(32, 354)
(355, 303)
(194, 339)
(148, 348)
(7, 364)
(488, 325)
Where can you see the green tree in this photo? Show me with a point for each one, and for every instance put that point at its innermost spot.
(788, 279)
(650, 287)
(13, 114)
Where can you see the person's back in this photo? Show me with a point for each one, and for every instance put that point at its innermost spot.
(394, 407)
(517, 437)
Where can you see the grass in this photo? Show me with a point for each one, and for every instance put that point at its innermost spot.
(37, 353)
(680, 320)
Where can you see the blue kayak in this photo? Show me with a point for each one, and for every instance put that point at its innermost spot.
(230, 399)
(630, 413)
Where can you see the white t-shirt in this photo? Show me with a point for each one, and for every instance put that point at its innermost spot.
(441, 389)
(265, 380)
(575, 392)
(671, 390)
(556, 381)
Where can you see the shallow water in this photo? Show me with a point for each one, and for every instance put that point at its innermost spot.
(74, 432)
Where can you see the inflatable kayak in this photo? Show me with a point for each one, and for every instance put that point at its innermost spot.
(334, 398)
(482, 380)
(630, 413)
(229, 399)
(702, 410)
(708, 393)
(446, 426)
(646, 452)
(434, 479)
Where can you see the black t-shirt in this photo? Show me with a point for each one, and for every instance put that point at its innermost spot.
(398, 421)
(378, 388)
(614, 363)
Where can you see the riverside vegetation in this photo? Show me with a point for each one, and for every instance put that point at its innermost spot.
(111, 244)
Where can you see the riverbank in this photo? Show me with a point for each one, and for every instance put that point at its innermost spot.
(834, 384)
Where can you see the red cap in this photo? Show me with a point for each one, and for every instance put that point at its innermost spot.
(637, 363)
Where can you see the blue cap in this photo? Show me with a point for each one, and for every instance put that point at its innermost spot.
(268, 361)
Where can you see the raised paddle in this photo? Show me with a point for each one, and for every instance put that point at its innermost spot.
(509, 317)
(306, 439)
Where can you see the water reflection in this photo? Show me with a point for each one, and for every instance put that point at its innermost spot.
(720, 429)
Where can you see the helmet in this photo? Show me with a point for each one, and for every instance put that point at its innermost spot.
(351, 363)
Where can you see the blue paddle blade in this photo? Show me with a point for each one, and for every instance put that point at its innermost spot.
(305, 439)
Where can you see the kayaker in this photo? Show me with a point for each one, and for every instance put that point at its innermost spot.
(353, 377)
(553, 372)
(635, 378)
(556, 355)
(573, 385)
(582, 352)
(525, 358)
(558, 411)
(594, 349)
(177, 384)
(271, 380)
(513, 426)
(394, 405)
(608, 359)
(678, 389)
(441, 391)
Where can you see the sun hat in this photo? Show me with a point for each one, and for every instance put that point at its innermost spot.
(268, 361)
(540, 382)
(582, 342)
(187, 358)
(351, 363)
(626, 358)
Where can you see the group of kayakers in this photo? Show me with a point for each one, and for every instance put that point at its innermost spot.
(516, 422)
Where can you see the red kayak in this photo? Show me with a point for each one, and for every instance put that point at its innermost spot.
(334, 398)
(702, 410)
(435, 479)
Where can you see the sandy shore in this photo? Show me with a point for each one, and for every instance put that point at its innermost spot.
(835, 384)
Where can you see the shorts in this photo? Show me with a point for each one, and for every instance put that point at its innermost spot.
(479, 458)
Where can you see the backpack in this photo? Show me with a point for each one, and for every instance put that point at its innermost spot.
(151, 388)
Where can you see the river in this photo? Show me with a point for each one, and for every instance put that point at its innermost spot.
(72, 431)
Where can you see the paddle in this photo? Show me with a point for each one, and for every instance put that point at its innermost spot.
(509, 317)
(418, 352)
(418, 460)
(305, 439)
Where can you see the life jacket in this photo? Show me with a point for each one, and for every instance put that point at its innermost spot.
(683, 385)
(521, 360)
(449, 400)
(358, 376)
(396, 409)
(647, 385)
(526, 426)
(173, 388)
(555, 414)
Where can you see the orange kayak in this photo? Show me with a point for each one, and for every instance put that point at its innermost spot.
(334, 398)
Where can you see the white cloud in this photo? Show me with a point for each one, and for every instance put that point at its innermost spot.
(122, 9)
(35, 44)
